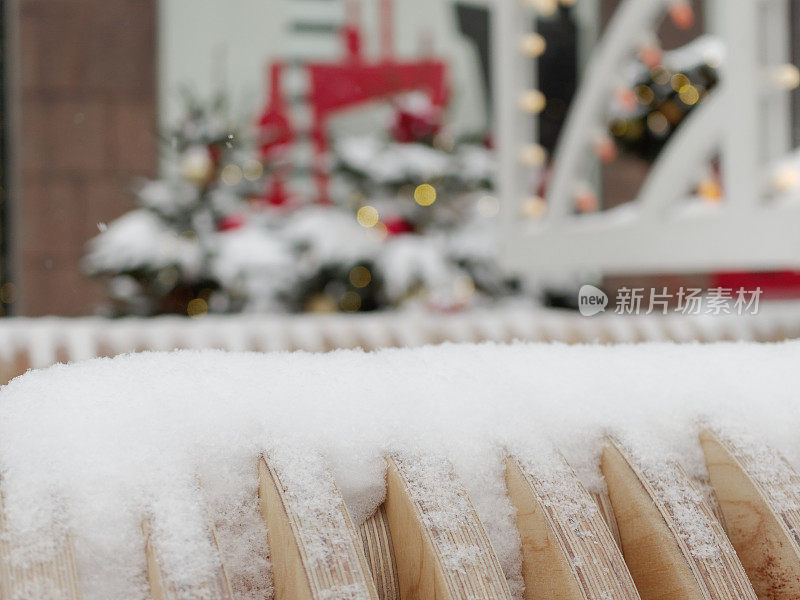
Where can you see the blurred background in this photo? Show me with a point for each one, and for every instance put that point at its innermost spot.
(296, 157)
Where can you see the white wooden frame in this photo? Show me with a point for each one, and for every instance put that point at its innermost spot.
(744, 121)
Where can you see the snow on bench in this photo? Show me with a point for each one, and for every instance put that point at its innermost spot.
(458, 472)
(36, 343)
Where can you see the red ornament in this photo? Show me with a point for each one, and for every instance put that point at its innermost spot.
(232, 222)
(397, 226)
(681, 14)
(415, 127)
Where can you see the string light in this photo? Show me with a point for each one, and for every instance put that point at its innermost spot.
(350, 301)
(367, 216)
(785, 77)
(585, 199)
(681, 14)
(605, 148)
(657, 122)
(425, 194)
(532, 101)
(644, 94)
(360, 276)
(197, 307)
(710, 191)
(650, 54)
(689, 95)
(534, 207)
(252, 169)
(533, 45)
(544, 7)
(231, 174)
(532, 155)
(785, 179)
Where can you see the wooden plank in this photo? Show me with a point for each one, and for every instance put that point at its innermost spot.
(379, 551)
(319, 557)
(762, 510)
(216, 587)
(607, 511)
(568, 552)
(667, 561)
(55, 576)
(441, 548)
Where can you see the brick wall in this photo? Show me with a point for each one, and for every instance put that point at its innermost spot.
(85, 111)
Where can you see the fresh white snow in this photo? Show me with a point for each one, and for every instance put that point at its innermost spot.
(91, 448)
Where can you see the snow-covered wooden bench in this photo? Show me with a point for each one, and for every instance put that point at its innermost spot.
(41, 342)
(458, 473)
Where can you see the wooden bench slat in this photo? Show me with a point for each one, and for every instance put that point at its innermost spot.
(663, 560)
(568, 551)
(438, 560)
(217, 586)
(763, 516)
(321, 559)
(56, 576)
(379, 551)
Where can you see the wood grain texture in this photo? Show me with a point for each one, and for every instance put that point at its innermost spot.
(216, 587)
(762, 511)
(319, 559)
(607, 511)
(568, 551)
(379, 551)
(54, 577)
(666, 562)
(437, 561)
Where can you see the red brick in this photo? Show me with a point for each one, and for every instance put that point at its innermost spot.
(134, 145)
(121, 57)
(79, 135)
(34, 139)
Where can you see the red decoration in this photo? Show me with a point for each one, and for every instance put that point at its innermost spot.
(336, 87)
(681, 14)
(232, 222)
(397, 226)
(410, 126)
(774, 284)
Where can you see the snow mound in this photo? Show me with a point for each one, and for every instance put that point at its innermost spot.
(91, 448)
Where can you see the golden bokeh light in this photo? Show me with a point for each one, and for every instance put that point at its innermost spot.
(657, 122)
(425, 194)
(231, 174)
(532, 101)
(197, 307)
(785, 77)
(532, 155)
(533, 45)
(360, 276)
(367, 216)
(350, 301)
(253, 170)
(689, 95)
(534, 207)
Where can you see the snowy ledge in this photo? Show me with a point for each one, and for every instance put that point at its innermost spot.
(87, 451)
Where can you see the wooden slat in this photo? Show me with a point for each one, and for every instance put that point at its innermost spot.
(568, 551)
(216, 587)
(762, 511)
(55, 577)
(666, 562)
(320, 558)
(441, 548)
(607, 511)
(379, 551)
